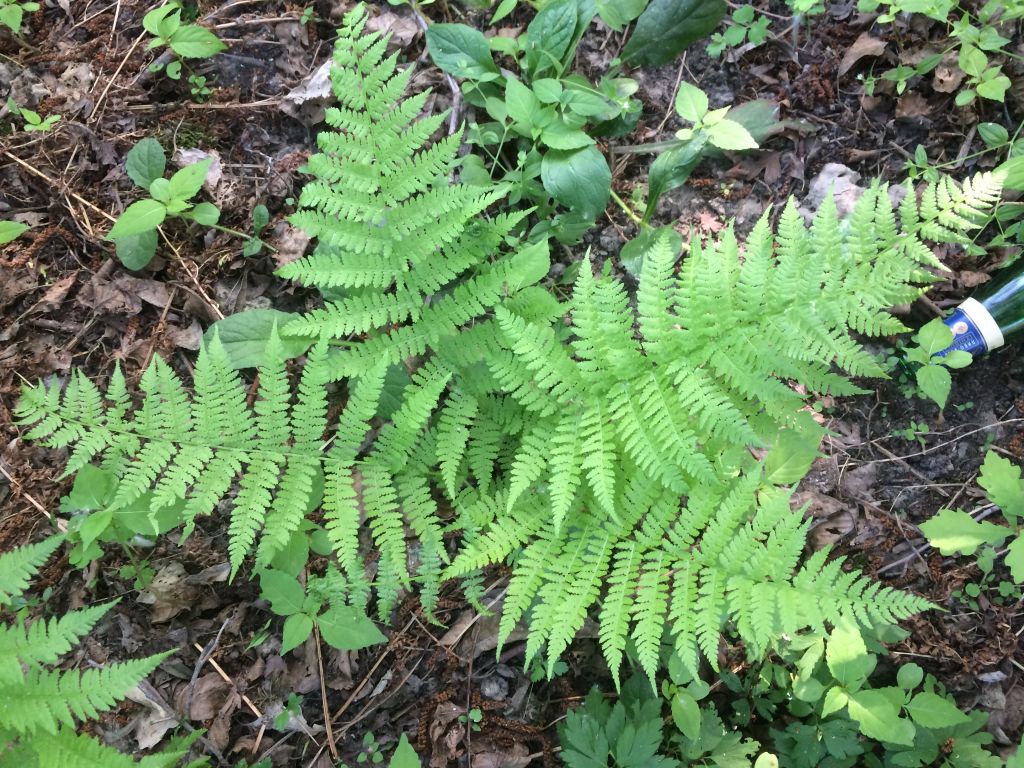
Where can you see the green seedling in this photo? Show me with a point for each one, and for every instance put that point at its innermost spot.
(12, 12)
(933, 375)
(188, 41)
(11, 230)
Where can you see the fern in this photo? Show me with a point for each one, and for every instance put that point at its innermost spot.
(39, 706)
(600, 447)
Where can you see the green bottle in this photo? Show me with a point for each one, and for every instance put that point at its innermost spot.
(992, 316)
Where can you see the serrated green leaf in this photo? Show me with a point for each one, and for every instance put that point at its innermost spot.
(691, 102)
(348, 629)
(285, 594)
(935, 381)
(204, 213)
(791, 456)
(521, 104)
(878, 717)
(189, 180)
(136, 251)
(847, 656)
(297, 628)
(195, 42)
(145, 162)
(934, 711)
(934, 337)
(730, 135)
(1015, 559)
(404, 755)
(1002, 483)
(10, 230)
(138, 217)
(953, 531)
(909, 676)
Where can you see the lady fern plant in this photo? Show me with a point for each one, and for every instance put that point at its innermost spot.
(39, 704)
(605, 452)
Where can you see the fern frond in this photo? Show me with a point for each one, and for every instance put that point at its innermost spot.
(21, 563)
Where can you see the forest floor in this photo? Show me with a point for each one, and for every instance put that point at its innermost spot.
(66, 302)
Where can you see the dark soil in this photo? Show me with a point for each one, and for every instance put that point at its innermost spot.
(66, 303)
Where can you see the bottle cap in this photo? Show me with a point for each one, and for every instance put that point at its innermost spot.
(974, 329)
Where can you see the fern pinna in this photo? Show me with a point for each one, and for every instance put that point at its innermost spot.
(38, 704)
(603, 451)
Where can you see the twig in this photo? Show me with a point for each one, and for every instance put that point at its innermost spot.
(203, 656)
(96, 110)
(245, 699)
(323, 695)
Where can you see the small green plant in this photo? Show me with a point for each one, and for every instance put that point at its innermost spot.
(342, 626)
(473, 718)
(953, 531)
(973, 34)
(13, 11)
(135, 231)
(370, 753)
(728, 128)
(188, 41)
(913, 432)
(33, 122)
(11, 230)
(260, 219)
(540, 139)
(745, 26)
(198, 88)
(39, 702)
(934, 358)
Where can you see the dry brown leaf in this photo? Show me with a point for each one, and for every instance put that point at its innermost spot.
(947, 76)
(912, 104)
(970, 279)
(168, 593)
(865, 45)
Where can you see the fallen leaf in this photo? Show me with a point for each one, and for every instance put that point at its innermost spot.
(912, 104)
(865, 45)
(970, 279)
(157, 721)
(168, 593)
(946, 77)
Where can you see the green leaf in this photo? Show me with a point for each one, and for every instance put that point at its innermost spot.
(847, 656)
(1015, 559)
(954, 531)
(1014, 170)
(136, 251)
(505, 7)
(348, 629)
(667, 27)
(521, 103)
(145, 162)
(934, 336)
(461, 51)
(160, 190)
(631, 257)
(260, 218)
(285, 594)
(1002, 483)
(551, 38)
(935, 381)
(618, 13)
(879, 718)
(548, 90)
(189, 180)
(9, 230)
(206, 214)
(691, 102)
(138, 217)
(909, 676)
(686, 714)
(835, 699)
(245, 336)
(156, 21)
(558, 135)
(730, 135)
(93, 489)
(934, 711)
(994, 89)
(993, 134)
(791, 456)
(956, 358)
(671, 169)
(404, 755)
(95, 526)
(11, 16)
(195, 42)
(578, 179)
(297, 628)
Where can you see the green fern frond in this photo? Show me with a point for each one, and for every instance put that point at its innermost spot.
(21, 563)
